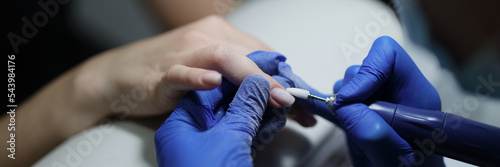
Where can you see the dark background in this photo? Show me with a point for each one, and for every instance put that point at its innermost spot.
(51, 52)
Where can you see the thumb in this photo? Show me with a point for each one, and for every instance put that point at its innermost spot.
(246, 110)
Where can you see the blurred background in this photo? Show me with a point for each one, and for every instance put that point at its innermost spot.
(312, 34)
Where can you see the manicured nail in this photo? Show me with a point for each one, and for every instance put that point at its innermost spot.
(282, 97)
(211, 78)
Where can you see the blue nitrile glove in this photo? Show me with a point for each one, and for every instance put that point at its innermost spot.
(200, 132)
(194, 136)
(387, 74)
(274, 119)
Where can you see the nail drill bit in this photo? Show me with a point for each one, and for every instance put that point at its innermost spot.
(305, 94)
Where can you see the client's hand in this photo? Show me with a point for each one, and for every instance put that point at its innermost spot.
(149, 77)
(145, 78)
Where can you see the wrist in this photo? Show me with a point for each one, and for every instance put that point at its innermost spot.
(78, 108)
(91, 90)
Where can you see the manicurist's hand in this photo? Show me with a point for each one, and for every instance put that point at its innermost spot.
(387, 74)
(211, 128)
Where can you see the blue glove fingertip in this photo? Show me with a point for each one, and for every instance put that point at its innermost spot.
(337, 86)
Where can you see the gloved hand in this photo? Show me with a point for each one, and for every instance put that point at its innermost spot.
(387, 74)
(194, 136)
(205, 129)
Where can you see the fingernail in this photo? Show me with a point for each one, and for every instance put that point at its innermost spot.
(282, 97)
(211, 78)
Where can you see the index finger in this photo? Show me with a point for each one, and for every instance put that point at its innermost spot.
(235, 67)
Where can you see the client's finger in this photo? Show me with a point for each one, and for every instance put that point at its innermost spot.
(235, 67)
(181, 78)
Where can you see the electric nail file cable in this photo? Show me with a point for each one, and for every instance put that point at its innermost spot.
(453, 136)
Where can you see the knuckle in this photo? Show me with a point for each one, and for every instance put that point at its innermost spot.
(173, 72)
(219, 54)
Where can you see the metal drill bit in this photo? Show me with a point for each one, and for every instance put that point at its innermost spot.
(329, 101)
(305, 94)
(317, 97)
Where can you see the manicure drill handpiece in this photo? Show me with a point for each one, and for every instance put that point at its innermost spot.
(450, 135)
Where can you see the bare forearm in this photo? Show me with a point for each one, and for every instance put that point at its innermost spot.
(45, 120)
(174, 13)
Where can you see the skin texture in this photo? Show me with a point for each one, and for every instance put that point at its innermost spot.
(162, 68)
